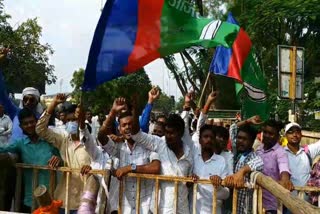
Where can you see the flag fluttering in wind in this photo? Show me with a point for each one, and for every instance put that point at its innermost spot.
(132, 33)
(239, 62)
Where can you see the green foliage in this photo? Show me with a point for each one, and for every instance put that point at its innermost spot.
(29, 59)
(179, 104)
(196, 65)
(101, 99)
(164, 104)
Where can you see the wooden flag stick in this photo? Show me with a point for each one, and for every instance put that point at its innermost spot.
(204, 89)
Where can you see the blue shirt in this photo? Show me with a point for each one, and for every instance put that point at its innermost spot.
(145, 118)
(32, 153)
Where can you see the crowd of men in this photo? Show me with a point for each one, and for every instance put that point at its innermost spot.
(185, 144)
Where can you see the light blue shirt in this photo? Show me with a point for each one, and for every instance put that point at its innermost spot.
(299, 163)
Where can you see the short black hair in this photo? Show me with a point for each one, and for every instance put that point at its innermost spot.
(161, 116)
(71, 109)
(124, 114)
(176, 122)
(207, 127)
(25, 113)
(251, 131)
(223, 132)
(278, 125)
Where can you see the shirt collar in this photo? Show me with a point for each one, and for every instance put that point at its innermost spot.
(213, 158)
(245, 154)
(275, 147)
(300, 150)
(127, 145)
(27, 140)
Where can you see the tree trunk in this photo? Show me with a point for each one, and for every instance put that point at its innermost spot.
(193, 83)
(175, 74)
(200, 6)
(194, 66)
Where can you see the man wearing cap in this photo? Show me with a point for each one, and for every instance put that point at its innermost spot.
(300, 158)
(31, 101)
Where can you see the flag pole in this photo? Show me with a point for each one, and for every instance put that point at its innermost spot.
(204, 88)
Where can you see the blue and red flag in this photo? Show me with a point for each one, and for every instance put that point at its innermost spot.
(240, 63)
(132, 33)
(229, 61)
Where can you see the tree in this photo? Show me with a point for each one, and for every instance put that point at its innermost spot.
(276, 22)
(29, 59)
(164, 104)
(196, 65)
(101, 99)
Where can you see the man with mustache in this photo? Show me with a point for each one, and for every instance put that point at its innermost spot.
(133, 158)
(300, 158)
(176, 160)
(276, 164)
(247, 161)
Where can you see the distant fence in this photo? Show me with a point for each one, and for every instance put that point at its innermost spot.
(309, 137)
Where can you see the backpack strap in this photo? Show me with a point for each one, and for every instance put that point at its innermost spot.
(307, 151)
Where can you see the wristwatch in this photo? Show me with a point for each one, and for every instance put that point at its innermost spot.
(133, 167)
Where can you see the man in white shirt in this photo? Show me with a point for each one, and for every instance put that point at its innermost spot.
(208, 165)
(5, 127)
(300, 158)
(100, 160)
(221, 133)
(133, 158)
(176, 160)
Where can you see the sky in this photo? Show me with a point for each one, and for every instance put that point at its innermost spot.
(68, 26)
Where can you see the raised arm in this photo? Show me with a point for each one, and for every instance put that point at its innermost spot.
(233, 131)
(85, 136)
(150, 142)
(254, 120)
(204, 113)
(42, 124)
(153, 95)
(188, 100)
(106, 129)
(314, 149)
(118, 105)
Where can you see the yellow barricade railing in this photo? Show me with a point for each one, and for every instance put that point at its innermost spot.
(294, 204)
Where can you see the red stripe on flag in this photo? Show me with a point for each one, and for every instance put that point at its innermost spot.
(148, 35)
(240, 51)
